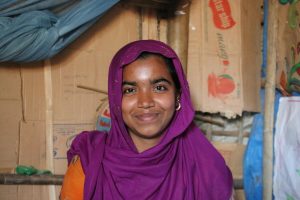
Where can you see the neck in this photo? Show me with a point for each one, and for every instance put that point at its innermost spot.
(143, 144)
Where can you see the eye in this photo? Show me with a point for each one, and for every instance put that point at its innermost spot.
(160, 88)
(129, 90)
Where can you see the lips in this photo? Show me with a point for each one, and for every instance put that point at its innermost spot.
(146, 117)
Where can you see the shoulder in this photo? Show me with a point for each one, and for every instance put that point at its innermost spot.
(210, 164)
(87, 139)
(85, 145)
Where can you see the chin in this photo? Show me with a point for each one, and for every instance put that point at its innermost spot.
(148, 134)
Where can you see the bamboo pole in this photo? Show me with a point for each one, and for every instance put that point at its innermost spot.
(178, 31)
(49, 123)
(92, 89)
(16, 179)
(269, 100)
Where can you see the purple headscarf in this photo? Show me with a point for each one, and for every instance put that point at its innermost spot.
(184, 165)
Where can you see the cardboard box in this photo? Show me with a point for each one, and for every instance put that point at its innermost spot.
(11, 114)
(224, 56)
(63, 135)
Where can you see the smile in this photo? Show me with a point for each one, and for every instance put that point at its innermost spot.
(147, 117)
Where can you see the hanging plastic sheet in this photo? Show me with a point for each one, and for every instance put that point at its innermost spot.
(253, 158)
(38, 29)
(287, 150)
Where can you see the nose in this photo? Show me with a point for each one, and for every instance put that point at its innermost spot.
(145, 99)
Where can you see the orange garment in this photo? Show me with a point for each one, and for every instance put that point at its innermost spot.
(72, 188)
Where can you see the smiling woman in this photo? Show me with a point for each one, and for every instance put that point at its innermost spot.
(153, 149)
(148, 102)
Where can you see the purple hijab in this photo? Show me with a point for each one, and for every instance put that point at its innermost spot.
(184, 165)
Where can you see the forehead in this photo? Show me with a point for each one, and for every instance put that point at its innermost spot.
(151, 66)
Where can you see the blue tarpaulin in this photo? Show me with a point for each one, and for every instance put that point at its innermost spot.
(253, 158)
(35, 30)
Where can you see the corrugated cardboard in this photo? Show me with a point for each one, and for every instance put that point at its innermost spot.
(43, 97)
(41, 101)
(233, 154)
(32, 144)
(33, 192)
(9, 192)
(63, 135)
(224, 56)
(33, 153)
(11, 114)
(33, 91)
(86, 63)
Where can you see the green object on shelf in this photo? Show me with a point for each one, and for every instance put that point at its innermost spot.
(30, 170)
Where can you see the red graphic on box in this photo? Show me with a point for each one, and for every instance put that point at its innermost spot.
(220, 86)
(221, 14)
(103, 118)
(298, 48)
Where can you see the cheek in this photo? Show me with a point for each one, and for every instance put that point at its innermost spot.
(127, 105)
(167, 103)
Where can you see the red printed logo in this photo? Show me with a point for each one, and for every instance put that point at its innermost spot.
(221, 14)
(220, 86)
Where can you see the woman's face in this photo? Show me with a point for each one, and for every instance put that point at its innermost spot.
(148, 101)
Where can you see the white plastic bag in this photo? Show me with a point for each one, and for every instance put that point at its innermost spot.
(286, 183)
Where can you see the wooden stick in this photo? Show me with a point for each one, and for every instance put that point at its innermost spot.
(205, 119)
(49, 122)
(229, 133)
(16, 179)
(269, 100)
(178, 31)
(92, 89)
(161, 4)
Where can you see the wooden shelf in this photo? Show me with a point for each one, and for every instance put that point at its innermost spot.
(16, 179)
(157, 4)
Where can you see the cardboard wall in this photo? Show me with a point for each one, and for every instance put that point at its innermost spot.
(224, 57)
(41, 100)
(44, 108)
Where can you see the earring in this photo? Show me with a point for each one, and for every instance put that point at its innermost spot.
(178, 105)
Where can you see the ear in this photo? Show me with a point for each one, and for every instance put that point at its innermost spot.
(177, 103)
(178, 95)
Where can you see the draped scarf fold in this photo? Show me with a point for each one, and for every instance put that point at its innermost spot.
(184, 165)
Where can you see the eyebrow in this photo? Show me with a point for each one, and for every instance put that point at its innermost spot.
(161, 80)
(132, 83)
(155, 81)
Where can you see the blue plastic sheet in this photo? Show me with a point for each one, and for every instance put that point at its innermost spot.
(253, 158)
(34, 30)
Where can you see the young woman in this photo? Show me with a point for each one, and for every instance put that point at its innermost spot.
(153, 149)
